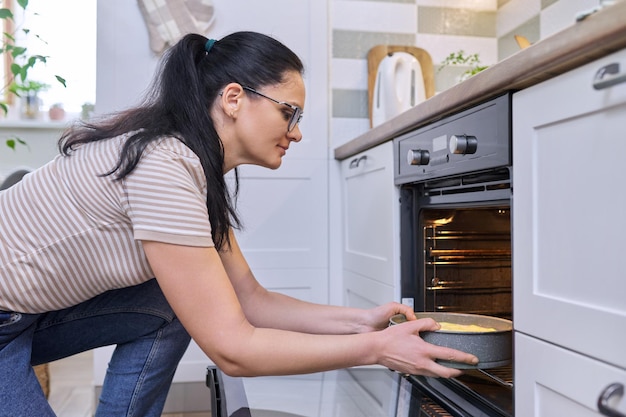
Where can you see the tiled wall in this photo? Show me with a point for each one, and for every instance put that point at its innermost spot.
(440, 27)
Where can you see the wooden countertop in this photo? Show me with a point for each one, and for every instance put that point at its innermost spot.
(598, 35)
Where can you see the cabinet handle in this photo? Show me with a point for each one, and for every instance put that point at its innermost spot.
(608, 76)
(356, 161)
(616, 389)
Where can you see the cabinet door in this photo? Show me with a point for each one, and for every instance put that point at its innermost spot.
(552, 381)
(364, 292)
(285, 226)
(569, 223)
(370, 214)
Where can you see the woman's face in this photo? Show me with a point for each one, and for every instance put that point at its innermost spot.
(255, 129)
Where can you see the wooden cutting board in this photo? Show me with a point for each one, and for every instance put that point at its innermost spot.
(377, 53)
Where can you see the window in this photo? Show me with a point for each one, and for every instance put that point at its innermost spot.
(65, 32)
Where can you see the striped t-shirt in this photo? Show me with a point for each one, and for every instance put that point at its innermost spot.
(67, 233)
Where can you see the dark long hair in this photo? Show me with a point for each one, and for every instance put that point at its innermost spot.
(178, 103)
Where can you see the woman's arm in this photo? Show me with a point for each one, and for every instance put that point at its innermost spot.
(198, 288)
(264, 308)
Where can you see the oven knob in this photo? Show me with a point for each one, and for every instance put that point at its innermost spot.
(418, 157)
(463, 144)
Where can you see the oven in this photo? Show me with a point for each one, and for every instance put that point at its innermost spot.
(455, 186)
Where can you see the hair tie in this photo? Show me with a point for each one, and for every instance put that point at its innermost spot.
(209, 44)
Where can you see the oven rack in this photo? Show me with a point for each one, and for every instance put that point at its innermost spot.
(503, 378)
(453, 309)
(470, 288)
(477, 257)
(468, 253)
(464, 234)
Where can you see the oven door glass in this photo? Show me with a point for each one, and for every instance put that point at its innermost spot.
(466, 260)
(464, 265)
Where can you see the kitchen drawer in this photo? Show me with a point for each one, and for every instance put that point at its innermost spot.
(553, 381)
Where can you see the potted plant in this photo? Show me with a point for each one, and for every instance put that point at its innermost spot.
(459, 66)
(87, 111)
(56, 112)
(28, 92)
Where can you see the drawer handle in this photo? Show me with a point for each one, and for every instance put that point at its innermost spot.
(613, 390)
(356, 161)
(608, 76)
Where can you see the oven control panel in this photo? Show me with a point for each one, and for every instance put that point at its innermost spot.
(473, 140)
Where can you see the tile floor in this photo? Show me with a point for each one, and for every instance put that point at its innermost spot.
(71, 393)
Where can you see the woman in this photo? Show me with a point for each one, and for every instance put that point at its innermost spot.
(141, 195)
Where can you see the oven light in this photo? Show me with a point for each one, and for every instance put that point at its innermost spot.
(444, 221)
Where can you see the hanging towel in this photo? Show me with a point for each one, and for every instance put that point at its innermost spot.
(169, 20)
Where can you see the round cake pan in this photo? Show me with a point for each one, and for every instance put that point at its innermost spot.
(493, 348)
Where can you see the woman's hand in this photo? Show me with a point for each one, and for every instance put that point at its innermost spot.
(406, 352)
(377, 318)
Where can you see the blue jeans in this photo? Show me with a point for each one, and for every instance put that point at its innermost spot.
(150, 342)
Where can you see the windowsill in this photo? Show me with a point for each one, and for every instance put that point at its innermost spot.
(34, 124)
(43, 122)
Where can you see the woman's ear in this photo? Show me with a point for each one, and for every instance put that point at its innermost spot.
(231, 97)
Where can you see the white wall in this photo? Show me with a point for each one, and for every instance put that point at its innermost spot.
(125, 63)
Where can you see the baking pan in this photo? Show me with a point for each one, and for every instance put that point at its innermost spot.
(493, 348)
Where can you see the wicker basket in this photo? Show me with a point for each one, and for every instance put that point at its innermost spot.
(43, 375)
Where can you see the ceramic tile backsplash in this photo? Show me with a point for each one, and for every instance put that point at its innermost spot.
(370, 16)
(516, 12)
(350, 103)
(562, 14)
(460, 4)
(355, 45)
(486, 27)
(389, 1)
(507, 45)
(457, 22)
(546, 3)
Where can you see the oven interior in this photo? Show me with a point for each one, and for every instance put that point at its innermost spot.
(459, 232)
(467, 260)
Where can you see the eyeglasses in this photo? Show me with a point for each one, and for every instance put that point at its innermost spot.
(296, 115)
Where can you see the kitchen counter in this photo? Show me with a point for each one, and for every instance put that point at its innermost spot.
(598, 35)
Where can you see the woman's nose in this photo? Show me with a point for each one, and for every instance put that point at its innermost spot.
(296, 134)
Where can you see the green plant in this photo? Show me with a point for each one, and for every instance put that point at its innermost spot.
(87, 111)
(461, 59)
(16, 81)
(28, 87)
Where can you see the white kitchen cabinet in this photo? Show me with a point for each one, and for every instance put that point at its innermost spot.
(553, 381)
(569, 234)
(285, 227)
(370, 221)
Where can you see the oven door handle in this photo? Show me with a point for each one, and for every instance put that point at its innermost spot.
(614, 390)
